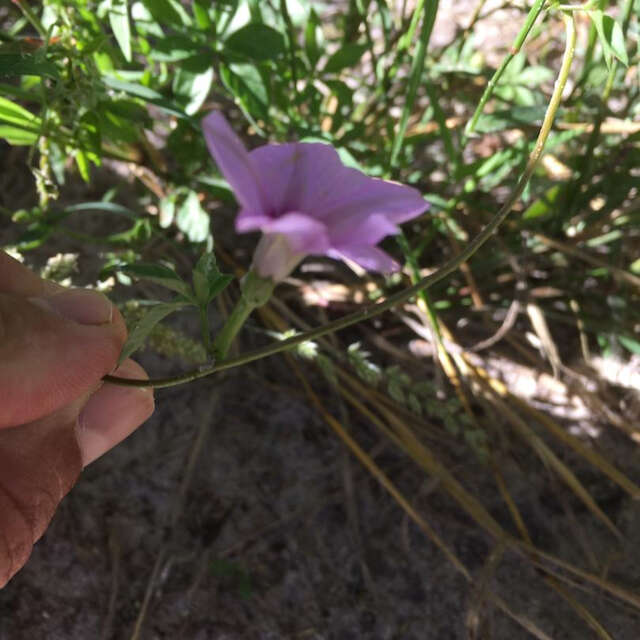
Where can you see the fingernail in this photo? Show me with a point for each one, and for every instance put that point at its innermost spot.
(83, 306)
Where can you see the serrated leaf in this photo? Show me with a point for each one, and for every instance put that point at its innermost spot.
(141, 331)
(159, 274)
(346, 56)
(119, 21)
(256, 41)
(219, 284)
(208, 282)
(205, 270)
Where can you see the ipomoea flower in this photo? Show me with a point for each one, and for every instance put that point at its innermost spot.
(305, 201)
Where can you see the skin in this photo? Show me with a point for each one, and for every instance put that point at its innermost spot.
(56, 416)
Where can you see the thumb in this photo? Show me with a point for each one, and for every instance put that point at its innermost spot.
(40, 462)
(54, 350)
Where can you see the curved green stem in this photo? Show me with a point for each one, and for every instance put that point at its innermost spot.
(532, 16)
(255, 292)
(234, 323)
(398, 298)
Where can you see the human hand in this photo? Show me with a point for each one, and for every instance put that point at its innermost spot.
(55, 415)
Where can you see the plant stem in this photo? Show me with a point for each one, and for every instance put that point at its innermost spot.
(291, 37)
(204, 326)
(234, 323)
(532, 16)
(585, 165)
(374, 310)
(415, 75)
(255, 292)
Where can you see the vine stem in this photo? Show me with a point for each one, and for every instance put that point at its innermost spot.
(532, 16)
(234, 323)
(447, 268)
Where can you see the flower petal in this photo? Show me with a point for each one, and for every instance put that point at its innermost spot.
(371, 258)
(247, 220)
(304, 234)
(357, 196)
(298, 175)
(361, 231)
(234, 162)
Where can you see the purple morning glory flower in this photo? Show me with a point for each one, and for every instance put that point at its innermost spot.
(305, 201)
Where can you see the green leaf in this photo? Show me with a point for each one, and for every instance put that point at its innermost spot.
(16, 136)
(167, 210)
(201, 13)
(149, 95)
(15, 114)
(15, 64)
(145, 24)
(544, 205)
(208, 282)
(83, 165)
(256, 41)
(34, 236)
(159, 274)
(610, 36)
(102, 205)
(205, 270)
(245, 83)
(142, 330)
(631, 345)
(119, 21)
(139, 233)
(89, 135)
(169, 12)
(121, 120)
(219, 284)
(313, 38)
(191, 89)
(192, 219)
(175, 48)
(346, 56)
